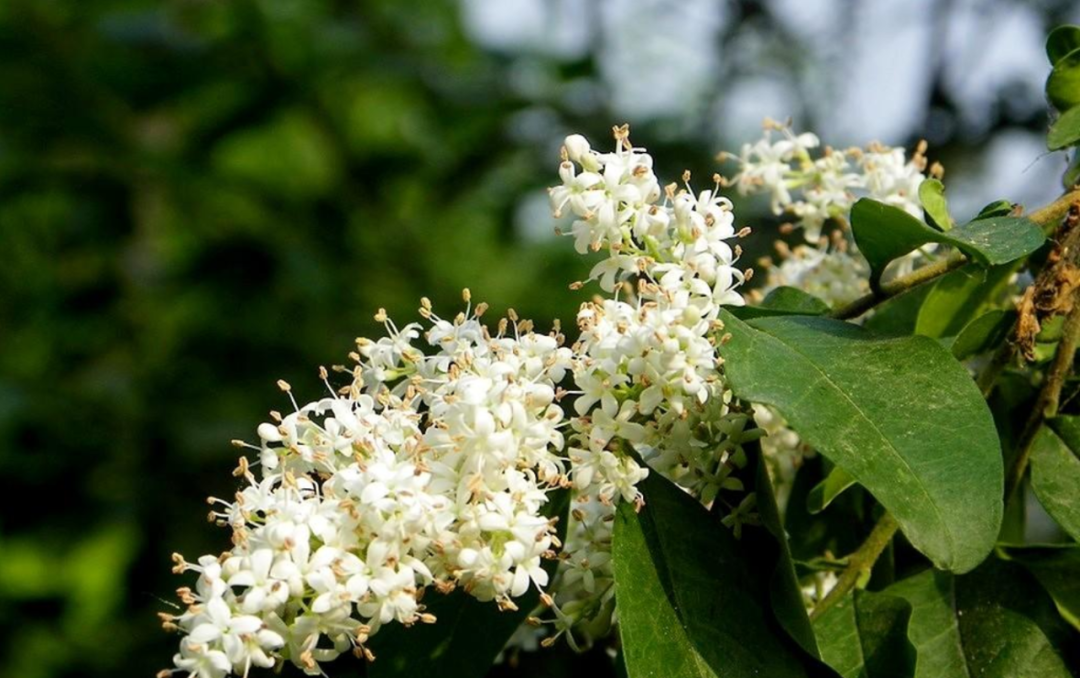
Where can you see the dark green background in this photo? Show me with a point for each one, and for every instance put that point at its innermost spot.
(200, 197)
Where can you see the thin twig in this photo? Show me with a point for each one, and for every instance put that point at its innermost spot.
(899, 285)
(859, 563)
(1045, 217)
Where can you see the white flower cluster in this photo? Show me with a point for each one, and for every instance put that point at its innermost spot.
(836, 275)
(428, 470)
(815, 190)
(646, 362)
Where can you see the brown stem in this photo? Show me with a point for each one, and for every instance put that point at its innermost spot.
(1044, 299)
(859, 563)
(1049, 398)
(1050, 215)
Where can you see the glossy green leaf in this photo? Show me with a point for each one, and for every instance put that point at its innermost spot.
(467, 635)
(794, 300)
(884, 233)
(1055, 472)
(960, 296)
(993, 241)
(1061, 41)
(897, 316)
(1063, 85)
(452, 646)
(1065, 131)
(824, 492)
(1057, 568)
(983, 334)
(933, 629)
(995, 622)
(998, 208)
(690, 605)
(1014, 523)
(900, 415)
(865, 636)
(932, 197)
(783, 301)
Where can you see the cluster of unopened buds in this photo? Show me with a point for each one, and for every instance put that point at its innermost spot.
(434, 462)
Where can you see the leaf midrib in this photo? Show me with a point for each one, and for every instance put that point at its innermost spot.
(918, 480)
(664, 570)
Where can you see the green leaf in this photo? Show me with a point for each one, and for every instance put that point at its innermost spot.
(884, 233)
(794, 300)
(1061, 41)
(900, 415)
(897, 316)
(865, 636)
(993, 241)
(824, 492)
(1063, 85)
(983, 334)
(995, 622)
(467, 635)
(451, 646)
(1072, 174)
(933, 629)
(932, 197)
(690, 605)
(1058, 570)
(1055, 472)
(998, 208)
(1014, 524)
(960, 296)
(783, 301)
(1065, 131)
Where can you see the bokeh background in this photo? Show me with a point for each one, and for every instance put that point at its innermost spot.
(198, 197)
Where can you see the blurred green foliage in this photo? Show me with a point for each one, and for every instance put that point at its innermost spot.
(198, 197)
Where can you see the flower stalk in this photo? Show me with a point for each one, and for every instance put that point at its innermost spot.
(859, 564)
